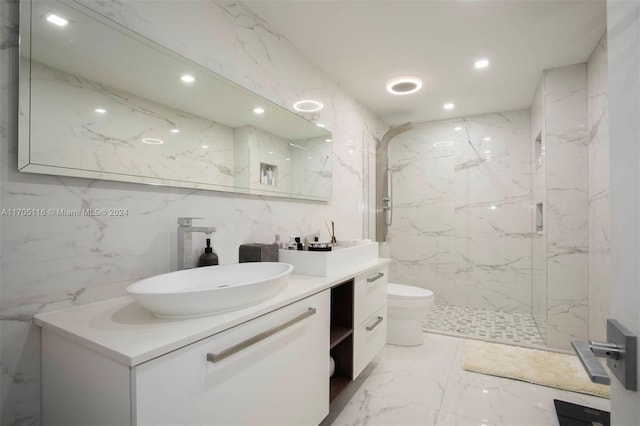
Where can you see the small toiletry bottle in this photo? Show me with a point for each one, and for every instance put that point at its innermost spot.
(208, 258)
(298, 243)
(292, 244)
(277, 242)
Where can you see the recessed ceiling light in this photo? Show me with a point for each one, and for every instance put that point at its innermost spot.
(448, 105)
(404, 85)
(187, 78)
(443, 143)
(457, 128)
(493, 207)
(57, 20)
(308, 105)
(287, 159)
(487, 152)
(152, 141)
(320, 125)
(175, 130)
(481, 63)
(487, 138)
(308, 158)
(270, 152)
(100, 110)
(327, 140)
(205, 146)
(258, 110)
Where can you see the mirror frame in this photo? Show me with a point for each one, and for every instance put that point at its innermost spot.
(24, 128)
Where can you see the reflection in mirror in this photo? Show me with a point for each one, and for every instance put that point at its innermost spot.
(135, 111)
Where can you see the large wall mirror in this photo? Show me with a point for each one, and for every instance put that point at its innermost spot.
(100, 101)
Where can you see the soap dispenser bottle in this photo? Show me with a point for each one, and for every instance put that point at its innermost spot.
(208, 258)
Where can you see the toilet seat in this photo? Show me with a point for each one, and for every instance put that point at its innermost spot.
(406, 307)
(407, 292)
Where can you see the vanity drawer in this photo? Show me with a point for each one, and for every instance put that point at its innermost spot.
(281, 379)
(369, 338)
(370, 293)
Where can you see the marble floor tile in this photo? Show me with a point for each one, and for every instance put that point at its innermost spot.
(425, 385)
(370, 408)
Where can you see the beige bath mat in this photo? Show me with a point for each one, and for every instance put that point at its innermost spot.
(545, 368)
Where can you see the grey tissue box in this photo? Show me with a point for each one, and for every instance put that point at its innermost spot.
(258, 253)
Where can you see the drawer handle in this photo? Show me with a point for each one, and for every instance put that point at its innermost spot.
(377, 277)
(217, 357)
(375, 324)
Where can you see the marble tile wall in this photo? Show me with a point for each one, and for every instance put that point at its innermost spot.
(461, 224)
(312, 166)
(263, 151)
(54, 262)
(571, 279)
(567, 204)
(538, 202)
(111, 142)
(599, 189)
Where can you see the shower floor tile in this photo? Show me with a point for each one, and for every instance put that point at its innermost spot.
(507, 327)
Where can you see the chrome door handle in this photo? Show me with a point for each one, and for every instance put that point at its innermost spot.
(217, 357)
(621, 353)
(375, 324)
(377, 277)
(595, 371)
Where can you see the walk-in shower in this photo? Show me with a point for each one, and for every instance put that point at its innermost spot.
(493, 214)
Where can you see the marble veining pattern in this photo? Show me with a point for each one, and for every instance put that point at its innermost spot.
(567, 226)
(461, 224)
(599, 190)
(53, 262)
(202, 151)
(425, 385)
(539, 214)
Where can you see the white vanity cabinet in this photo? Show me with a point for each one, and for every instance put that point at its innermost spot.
(370, 317)
(273, 369)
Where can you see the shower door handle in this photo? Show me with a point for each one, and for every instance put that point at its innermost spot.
(621, 353)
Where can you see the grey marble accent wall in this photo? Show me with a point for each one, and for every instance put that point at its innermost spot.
(461, 223)
(599, 190)
(565, 92)
(52, 262)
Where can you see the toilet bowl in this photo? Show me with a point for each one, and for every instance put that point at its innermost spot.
(406, 307)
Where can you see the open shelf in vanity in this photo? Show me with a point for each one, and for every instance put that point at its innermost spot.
(341, 337)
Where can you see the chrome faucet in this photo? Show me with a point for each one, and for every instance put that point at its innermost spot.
(185, 260)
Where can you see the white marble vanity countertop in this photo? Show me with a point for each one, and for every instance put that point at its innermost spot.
(127, 333)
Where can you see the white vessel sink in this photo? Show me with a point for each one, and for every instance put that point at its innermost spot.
(330, 263)
(211, 289)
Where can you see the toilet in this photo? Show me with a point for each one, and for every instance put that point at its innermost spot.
(406, 306)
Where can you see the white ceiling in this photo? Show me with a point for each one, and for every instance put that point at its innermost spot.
(362, 44)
